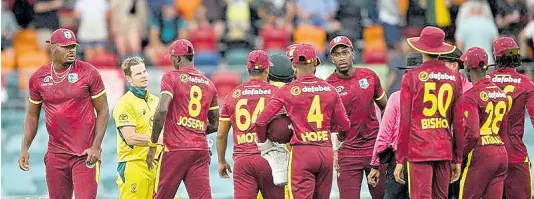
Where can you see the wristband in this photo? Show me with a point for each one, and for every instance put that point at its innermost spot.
(150, 144)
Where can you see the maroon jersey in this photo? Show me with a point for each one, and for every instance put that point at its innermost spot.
(479, 116)
(242, 108)
(428, 93)
(312, 105)
(520, 91)
(68, 106)
(358, 94)
(193, 95)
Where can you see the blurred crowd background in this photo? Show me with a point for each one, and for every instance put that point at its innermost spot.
(223, 32)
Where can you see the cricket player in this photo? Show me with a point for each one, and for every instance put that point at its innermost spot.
(133, 116)
(239, 111)
(520, 91)
(428, 92)
(188, 108)
(359, 89)
(387, 139)
(313, 106)
(452, 60)
(480, 117)
(281, 72)
(77, 114)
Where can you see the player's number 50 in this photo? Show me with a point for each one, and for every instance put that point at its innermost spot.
(243, 112)
(438, 102)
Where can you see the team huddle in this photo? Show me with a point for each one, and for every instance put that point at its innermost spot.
(441, 136)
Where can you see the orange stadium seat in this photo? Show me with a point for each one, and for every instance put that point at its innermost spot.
(8, 61)
(31, 59)
(204, 39)
(25, 40)
(225, 82)
(187, 8)
(375, 32)
(104, 59)
(274, 39)
(308, 34)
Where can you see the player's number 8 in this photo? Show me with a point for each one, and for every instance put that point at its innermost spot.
(437, 102)
(195, 94)
(315, 114)
(243, 112)
(490, 126)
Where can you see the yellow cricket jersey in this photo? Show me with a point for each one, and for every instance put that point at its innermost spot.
(131, 110)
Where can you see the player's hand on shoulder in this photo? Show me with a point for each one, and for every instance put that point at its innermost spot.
(224, 170)
(93, 155)
(24, 161)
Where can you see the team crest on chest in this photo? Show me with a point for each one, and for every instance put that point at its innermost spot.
(73, 77)
(364, 83)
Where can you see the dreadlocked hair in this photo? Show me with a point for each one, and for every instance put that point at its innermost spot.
(513, 61)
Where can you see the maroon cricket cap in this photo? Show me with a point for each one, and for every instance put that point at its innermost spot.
(290, 49)
(305, 54)
(181, 47)
(340, 40)
(504, 44)
(62, 37)
(475, 58)
(258, 59)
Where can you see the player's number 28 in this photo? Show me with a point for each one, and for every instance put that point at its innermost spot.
(195, 94)
(495, 115)
(439, 102)
(240, 111)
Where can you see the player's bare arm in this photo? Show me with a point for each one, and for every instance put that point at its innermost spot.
(382, 102)
(30, 130)
(273, 108)
(222, 142)
(159, 120)
(132, 138)
(213, 121)
(102, 118)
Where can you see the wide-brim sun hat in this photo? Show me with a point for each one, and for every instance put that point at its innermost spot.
(431, 41)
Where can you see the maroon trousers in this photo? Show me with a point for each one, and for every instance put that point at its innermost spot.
(429, 180)
(310, 172)
(484, 173)
(350, 176)
(253, 173)
(66, 173)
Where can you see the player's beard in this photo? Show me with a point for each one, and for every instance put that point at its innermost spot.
(67, 63)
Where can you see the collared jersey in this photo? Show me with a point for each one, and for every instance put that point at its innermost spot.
(241, 109)
(131, 110)
(520, 90)
(312, 105)
(69, 110)
(193, 95)
(428, 94)
(359, 93)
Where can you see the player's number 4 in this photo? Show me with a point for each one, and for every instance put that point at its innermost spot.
(243, 112)
(314, 113)
(437, 102)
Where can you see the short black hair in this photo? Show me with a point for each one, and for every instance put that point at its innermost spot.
(513, 61)
(256, 72)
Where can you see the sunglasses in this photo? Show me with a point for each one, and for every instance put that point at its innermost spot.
(511, 52)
